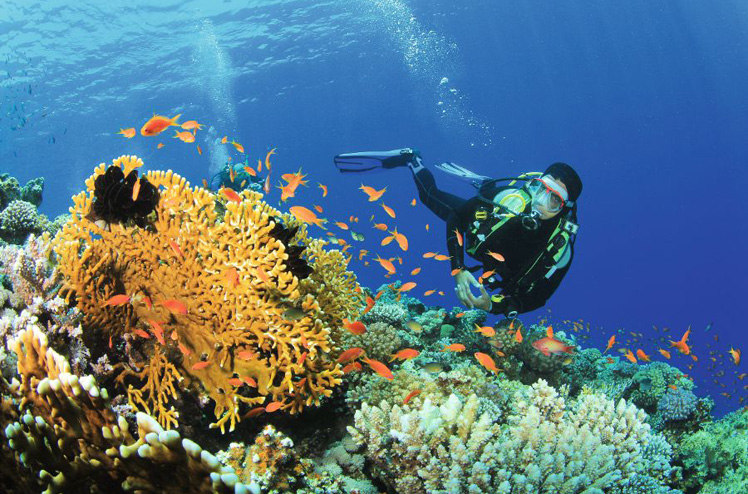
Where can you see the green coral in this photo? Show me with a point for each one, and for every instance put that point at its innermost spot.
(11, 190)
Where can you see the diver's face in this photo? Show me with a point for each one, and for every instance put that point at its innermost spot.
(544, 213)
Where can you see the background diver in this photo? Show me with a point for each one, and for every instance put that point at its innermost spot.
(521, 229)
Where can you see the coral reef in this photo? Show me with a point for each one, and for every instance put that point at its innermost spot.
(211, 282)
(11, 190)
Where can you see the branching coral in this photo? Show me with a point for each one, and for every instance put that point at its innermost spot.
(212, 279)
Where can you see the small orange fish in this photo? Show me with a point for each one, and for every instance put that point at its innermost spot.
(129, 133)
(406, 287)
(372, 192)
(549, 345)
(303, 214)
(266, 186)
(235, 381)
(411, 395)
(246, 355)
(254, 412)
(549, 331)
(611, 342)
(486, 361)
(118, 300)
(232, 276)
(238, 146)
(459, 315)
(273, 406)
(142, 333)
(249, 381)
(459, 237)
(157, 330)
(158, 124)
(672, 386)
(442, 257)
(455, 271)
(231, 194)
(175, 247)
(350, 354)
(250, 171)
(174, 306)
(518, 336)
(353, 366)
(642, 356)
(630, 356)
(224, 140)
(380, 226)
(427, 227)
(681, 344)
(454, 347)
(369, 304)
(160, 145)
(413, 202)
(341, 225)
(187, 137)
(185, 351)
(267, 158)
(735, 354)
(318, 208)
(415, 271)
(405, 354)
(192, 124)
(199, 150)
(355, 327)
(201, 365)
(324, 189)
(664, 353)
(232, 174)
(386, 264)
(428, 292)
(428, 255)
(262, 275)
(486, 331)
(388, 210)
(302, 358)
(496, 256)
(379, 368)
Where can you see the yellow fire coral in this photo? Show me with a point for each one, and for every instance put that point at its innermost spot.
(210, 292)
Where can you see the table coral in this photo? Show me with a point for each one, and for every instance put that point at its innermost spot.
(228, 279)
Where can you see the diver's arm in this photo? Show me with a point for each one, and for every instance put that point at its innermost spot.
(534, 299)
(457, 221)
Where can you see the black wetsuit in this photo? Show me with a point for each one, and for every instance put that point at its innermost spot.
(518, 245)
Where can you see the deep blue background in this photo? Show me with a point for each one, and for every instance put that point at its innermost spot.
(647, 99)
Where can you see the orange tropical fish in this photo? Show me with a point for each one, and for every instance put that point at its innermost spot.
(486, 275)
(735, 354)
(455, 271)
(518, 336)
(232, 276)
(486, 331)
(273, 406)
(246, 355)
(681, 344)
(353, 366)
(262, 274)
(231, 194)
(238, 146)
(142, 333)
(303, 214)
(232, 174)
(266, 186)
(224, 140)
(136, 190)
(372, 192)
(350, 354)
(407, 286)
(355, 327)
(459, 237)
(672, 386)
(442, 257)
(642, 356)
(459, 315)
(201, 365)
(401, 239)
(192, 124)
(386, 264)
(630, 356)
(486, 361)
(454, 347)
(129, 133)
(267, 158)
(369, 304)
(388, 210)
(185, 351)
(405, 354)
(511, 324)
(303, 357)
(341, 225)
(428, 292)
(318, 208)
(235, 381)
(118, 300)
(199, 150)
(427, 227)
(380, 226)
(611, 342)
(549, 331)
(249, 381)
(175, 247)
(415, 271)
(161, 144)
(185, 136)
(158, 124)
(254, 413)
(324, 189)
(250, 171)
(379, 368)
(664, 353)
(549, 345)
(496, 256)
(174, 306)
(411, 395)
(157, 330)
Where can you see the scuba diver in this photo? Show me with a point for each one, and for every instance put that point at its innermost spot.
(233, 176)
(521, 229)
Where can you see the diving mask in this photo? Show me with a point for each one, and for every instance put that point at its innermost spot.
(547, 193)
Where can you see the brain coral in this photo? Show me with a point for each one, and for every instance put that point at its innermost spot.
(209, 284)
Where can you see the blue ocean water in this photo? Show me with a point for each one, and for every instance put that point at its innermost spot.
(646, 99)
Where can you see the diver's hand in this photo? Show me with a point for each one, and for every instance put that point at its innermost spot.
(463, 280)
(482, 302)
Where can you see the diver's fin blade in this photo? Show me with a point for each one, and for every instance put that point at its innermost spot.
(371, 160)
(461, 172)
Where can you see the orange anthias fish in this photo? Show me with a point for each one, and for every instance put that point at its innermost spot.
(174, 306)
(642, 356)
(267, 158)
(549, 345)
(664, 353)
(518, 336)
(386, 264)
(341, 225)
(232, 276)
(350, 354)
(201, 365)
(411, 395)
(611, 342)
(496, 256)
(129, 133)
(199, 150)
(630, 356)
(454, 347)
(373, 193)
(405, 287)
(428, 292)
(388, 210)
(303, 214)
(157, 124)
(250, 171)
(353, 366)
(136, 190)
(266, 186)
(231, 194)
(238, 146)
(415, 271)
(401, 239)
(735, 354)
(379, 368)
(459, 237)
(118, 300)
(681, 344)
(486, 361)
(192, 124)
(355, 327)
(442, 257)
(486, 331)
(324, 189)
(185, 136)
(405, 354)
(273, 406)
(380, 226)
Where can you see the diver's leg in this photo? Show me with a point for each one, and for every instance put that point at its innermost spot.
(441, 203)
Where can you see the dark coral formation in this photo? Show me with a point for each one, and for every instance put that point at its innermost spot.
(113, 197)
(295, 263)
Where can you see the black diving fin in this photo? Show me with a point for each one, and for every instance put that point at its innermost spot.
(371, 160)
